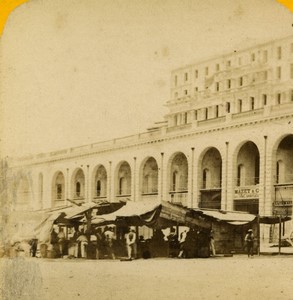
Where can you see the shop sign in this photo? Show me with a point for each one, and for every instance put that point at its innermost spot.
(283, 203)
(246, 193)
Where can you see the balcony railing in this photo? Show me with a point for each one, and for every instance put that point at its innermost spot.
(178, 197)
(149, 197)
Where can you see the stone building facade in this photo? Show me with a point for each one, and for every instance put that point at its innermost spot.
(226, 143)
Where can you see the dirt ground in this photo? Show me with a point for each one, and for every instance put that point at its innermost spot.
(237, 277)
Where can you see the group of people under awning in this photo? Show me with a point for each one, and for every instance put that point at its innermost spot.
(127, 242)
(138, 229)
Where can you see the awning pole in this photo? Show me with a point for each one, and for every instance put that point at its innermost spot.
(280, 231)
(258, 236)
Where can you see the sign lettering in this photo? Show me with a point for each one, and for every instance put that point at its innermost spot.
(246, 193)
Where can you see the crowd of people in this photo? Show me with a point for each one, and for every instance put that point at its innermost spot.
(105, 242)
(126, 243)
(192, 243)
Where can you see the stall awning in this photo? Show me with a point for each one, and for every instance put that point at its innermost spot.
(273, 219)
(101, 207)
(230, 217)
(136, 213)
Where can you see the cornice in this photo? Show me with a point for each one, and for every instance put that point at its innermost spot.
(160, 140)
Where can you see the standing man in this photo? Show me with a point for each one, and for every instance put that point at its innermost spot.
(249, 239)
(131, 248)
(212, 244)
(182, 252)
(110, 238)
(61, 241)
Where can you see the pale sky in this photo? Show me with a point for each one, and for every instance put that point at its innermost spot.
(75, 72)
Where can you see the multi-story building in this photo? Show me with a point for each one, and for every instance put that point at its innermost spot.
(226, 143)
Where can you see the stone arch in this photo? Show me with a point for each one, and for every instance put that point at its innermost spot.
(122, 181)
(246, 170)
(247, 154)
(149, 172)
(78, 184)
(177, 178)
(40, 189)
(99, 184)
(58, 189)
(210, 178)
(282, 170)
(23, 193)
(283, 153)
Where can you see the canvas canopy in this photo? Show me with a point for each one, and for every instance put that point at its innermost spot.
(231, 217)
(163, 214)
(70, 216)
(273, 219)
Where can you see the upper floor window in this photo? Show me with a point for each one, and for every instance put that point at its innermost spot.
(279, 98)
(174, 180)
(77, 189)
(186, 77)
(217, 67)
(205, 113)
(196, 89)
(264, 99)
(291, 47)
(241, 81)
(291, 95)
(279, 72)
(175, 80)
(279, 53)
(252, 103)
(185, 118)
(98, 188)
(217, 111)
(217, 86)
(239, 105)
(175, 120)
(228, 107)
(195, 115)
(240, 175)
(229, 83)
(59, 191)
(207, 71)
(196, 73)
(185, 92)
(228, 63)
(252, 57)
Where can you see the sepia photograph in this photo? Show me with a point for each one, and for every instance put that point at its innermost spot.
(146, 149)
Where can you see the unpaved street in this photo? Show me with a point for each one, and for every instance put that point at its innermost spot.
(264, 277)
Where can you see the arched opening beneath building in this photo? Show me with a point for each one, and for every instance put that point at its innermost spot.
(178, 179)
(78, 186)
(100, 183)
(149, 179)
(211, 179)
(284, 177)
(246, 195)
(23, 195)
(123, 181)
(58, 190)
